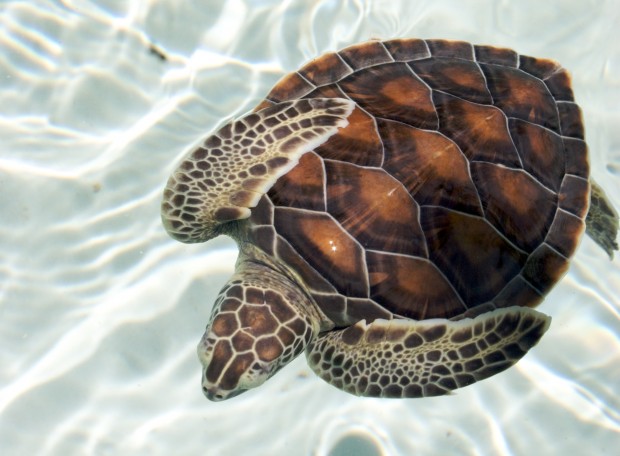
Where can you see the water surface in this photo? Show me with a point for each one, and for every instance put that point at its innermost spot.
(100, 311)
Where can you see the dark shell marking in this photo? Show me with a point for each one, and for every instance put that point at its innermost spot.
(461, 182)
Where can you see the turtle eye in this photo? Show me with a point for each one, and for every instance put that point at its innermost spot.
(262, 368)
(205, 350)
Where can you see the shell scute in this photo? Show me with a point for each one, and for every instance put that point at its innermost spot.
(365, 55)
(576, 156)
(522, 95)
(451, 49)
(379, 90)
(544, 268)
(496, 56)
(518, 292)
(541, 151)
(290, 256)
(374, 208)
(559, 85)
(325, 70)
(365, 309)
(327, 247)
(541, 68)
(411, 287)
(406, 50)
(573, 195)
(293, 86)
(434, 171)
(357, 143)
(480, 131)
(571, 121)
(466, 249)
(565, 232)
(461, 78)
(515, 204)
(302, 187)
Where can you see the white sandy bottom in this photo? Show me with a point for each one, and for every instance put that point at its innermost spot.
(101, 311)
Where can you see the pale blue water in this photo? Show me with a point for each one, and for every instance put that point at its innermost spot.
(100, 311)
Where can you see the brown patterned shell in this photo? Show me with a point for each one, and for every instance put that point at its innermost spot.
(460, 184)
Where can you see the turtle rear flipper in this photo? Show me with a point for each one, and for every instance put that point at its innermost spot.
(221, 180)
(602, 220)
(408, 358)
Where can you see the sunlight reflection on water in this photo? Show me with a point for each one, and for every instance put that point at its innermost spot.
(101, 311)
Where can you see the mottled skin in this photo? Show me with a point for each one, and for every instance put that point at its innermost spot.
(400, 208)
(259, 323)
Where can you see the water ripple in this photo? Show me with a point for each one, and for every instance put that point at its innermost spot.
(101, 311)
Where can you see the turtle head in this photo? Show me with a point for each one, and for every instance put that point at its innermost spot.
(260, 322)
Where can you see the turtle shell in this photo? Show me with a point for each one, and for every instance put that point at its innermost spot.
(459, 185)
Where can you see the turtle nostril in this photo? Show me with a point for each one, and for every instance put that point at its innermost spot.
(213, 393)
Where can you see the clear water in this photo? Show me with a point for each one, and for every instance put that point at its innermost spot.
(100, 311)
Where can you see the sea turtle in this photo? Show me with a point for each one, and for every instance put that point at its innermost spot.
(400, 207)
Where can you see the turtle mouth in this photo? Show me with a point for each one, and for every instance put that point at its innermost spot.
(216, 394)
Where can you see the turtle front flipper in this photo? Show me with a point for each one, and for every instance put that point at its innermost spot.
(408, 358)
(602, 220)
(221, 180)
